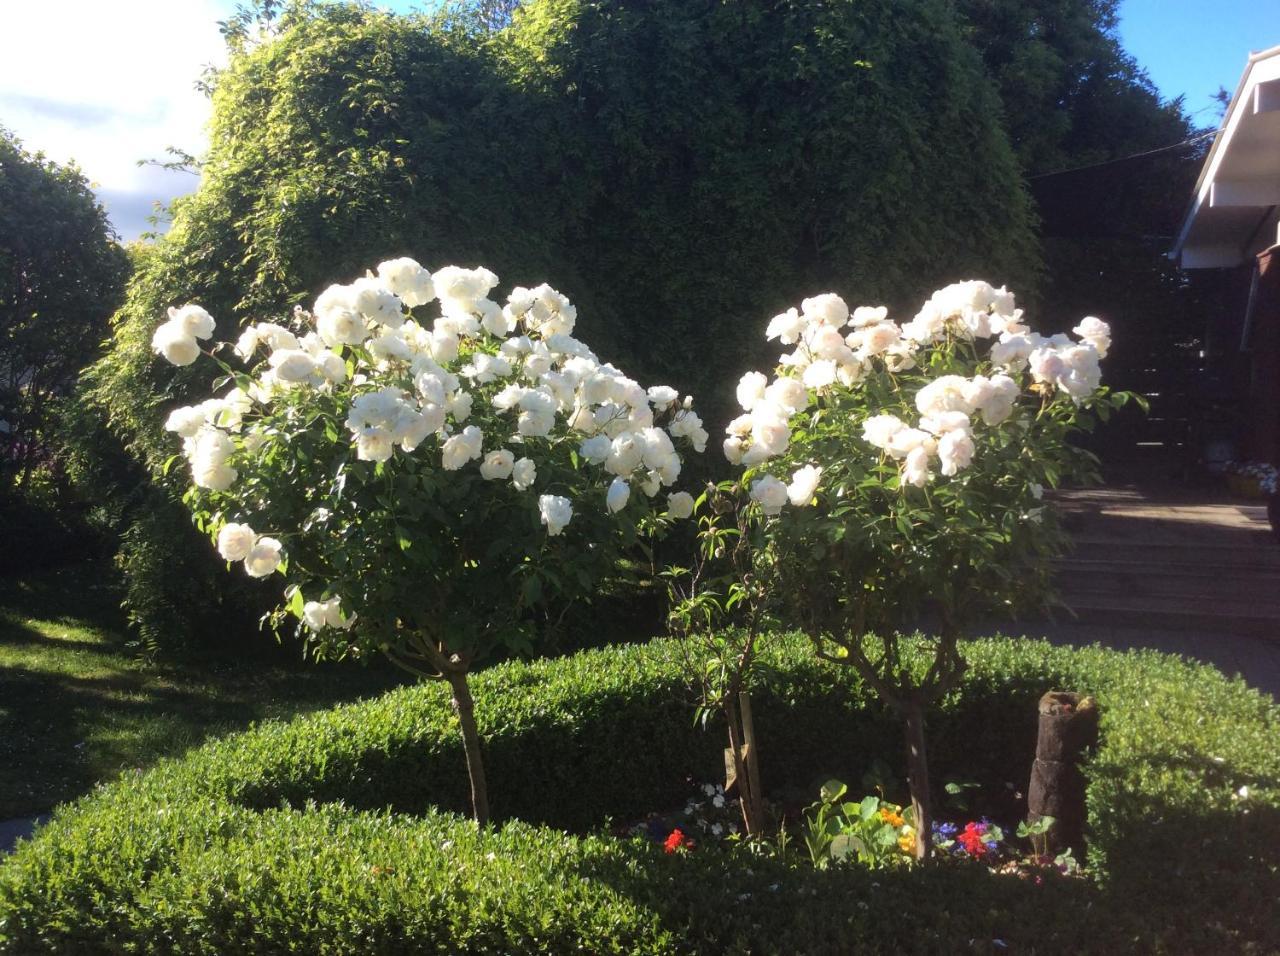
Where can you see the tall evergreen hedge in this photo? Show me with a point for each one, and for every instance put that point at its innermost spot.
(683, 169)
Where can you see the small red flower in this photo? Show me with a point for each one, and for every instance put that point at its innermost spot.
(677, 841)
(972, 840)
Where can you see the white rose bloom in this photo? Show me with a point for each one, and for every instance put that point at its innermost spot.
(177, 347)
(377, 303)
(535, 424)
(235, 541)
(770, 492)
(497, 465)
(679, 505)
(293, 366)
(786, 328)
(1082, 375)
(1000, 403)
(865, 315)
(733, 450)
(416, 427)
(1013, 351)
(804, 483)
(820, 374)
(523, 474)
(658, 449)
(944, 394)
(788, 394)
(751, 389)
(315, 615)
(247, 343)
(461, 448)
(874, 339)
(1002, 302)
(407, 279)
(485, 368)
(337, 320)
(944, 422)
(625, 454)
(374, 444)
(1047, 366)
(212, 476)
(443, 346)
(276, 336)
(556, 512)
(595, 449)
(879, 429)
(618, 495)
(508, 397)
(460, 288)
(662, 397)
(916, 470)
(331, 367)
(740, 426)
(1096, 332)
(193, 320)
(390, 346)
(651, 484)
(827, 308)
(955, 451)
(906, 440)
(770, 435)
(185, 421)
(263, 558)
(459, 406)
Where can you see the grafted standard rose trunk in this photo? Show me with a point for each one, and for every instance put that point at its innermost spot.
(464, 706)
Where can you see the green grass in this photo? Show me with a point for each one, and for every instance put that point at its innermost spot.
(77, 707)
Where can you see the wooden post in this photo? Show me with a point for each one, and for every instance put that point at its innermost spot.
(1068, 727)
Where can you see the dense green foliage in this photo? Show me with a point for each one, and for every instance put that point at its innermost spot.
(676, 168)
(62, 274)
(222, 852)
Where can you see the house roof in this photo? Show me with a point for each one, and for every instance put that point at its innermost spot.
(1238, 190)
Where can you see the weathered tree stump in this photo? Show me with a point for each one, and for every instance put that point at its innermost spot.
(1068, 727)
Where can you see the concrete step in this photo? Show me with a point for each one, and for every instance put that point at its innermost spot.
(1207, 582)
(1254, 555)
(1178, 614)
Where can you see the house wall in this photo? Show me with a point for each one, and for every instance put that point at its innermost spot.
(1263, 352)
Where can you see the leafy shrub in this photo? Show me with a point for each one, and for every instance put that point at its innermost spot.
(319, 835)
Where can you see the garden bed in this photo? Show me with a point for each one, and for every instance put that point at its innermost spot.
(338, 832)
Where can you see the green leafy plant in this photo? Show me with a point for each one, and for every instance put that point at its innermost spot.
(872, 831)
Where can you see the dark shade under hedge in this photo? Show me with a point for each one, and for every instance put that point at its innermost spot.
(316, 835)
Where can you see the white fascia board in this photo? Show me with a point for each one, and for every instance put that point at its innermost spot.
(1266, 97)
(1256, 194)
(1209, 257)
(1270, 63)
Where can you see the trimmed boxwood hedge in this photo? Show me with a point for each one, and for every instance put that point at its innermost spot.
(334, 833)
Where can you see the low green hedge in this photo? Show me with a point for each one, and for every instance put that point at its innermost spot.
(334, 833)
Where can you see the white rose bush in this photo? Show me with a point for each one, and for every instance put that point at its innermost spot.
(426, 469)
(897, 471)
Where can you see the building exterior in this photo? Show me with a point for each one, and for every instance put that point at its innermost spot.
(1233, 224)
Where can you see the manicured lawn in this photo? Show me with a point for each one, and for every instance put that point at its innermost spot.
(76, 707)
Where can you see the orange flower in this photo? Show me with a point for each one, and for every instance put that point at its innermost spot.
(891, 818)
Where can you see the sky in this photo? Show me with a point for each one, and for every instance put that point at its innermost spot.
(109, 82)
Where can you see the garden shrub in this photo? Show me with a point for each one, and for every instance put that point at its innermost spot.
(332, 833)
(677, 166)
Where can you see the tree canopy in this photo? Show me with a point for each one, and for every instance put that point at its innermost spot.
(62, 274)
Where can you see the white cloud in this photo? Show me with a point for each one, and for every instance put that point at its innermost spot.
(107, 84)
